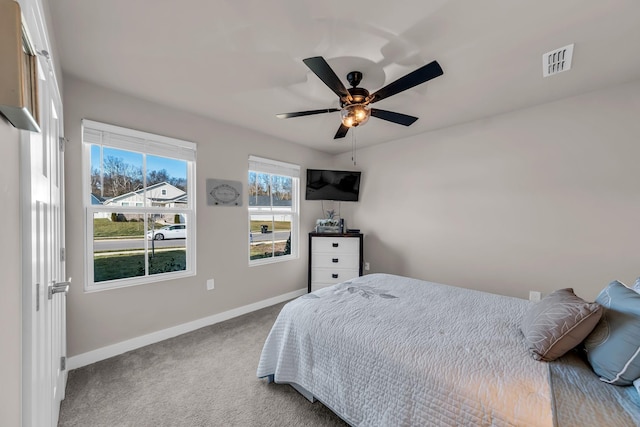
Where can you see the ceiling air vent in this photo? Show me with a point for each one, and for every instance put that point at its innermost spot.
(557, 61)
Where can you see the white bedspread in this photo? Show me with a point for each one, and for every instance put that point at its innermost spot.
(582, 400)
(385, 350)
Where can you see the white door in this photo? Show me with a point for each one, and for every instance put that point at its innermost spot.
(44, 328)
(58, 288)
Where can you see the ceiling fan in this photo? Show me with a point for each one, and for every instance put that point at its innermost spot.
(354, 102)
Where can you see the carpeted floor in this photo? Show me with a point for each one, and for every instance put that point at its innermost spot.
(204, 378)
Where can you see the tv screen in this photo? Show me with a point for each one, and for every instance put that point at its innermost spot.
(343, 186)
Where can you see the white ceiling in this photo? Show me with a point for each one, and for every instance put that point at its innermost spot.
(241, 61)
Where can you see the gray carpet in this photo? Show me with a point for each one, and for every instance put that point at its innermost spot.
(204, 378)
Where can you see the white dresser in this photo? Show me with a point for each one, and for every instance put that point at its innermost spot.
(333, 258)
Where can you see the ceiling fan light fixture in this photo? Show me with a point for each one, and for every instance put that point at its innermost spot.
(355, 114)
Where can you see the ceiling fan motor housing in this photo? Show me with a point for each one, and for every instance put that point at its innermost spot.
(359, 95)
(354, 78)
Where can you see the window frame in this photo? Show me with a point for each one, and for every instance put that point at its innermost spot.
(154, 145)
(276, 167)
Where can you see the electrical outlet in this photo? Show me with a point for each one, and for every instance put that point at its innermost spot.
(210, 285)
(535, 295)
(367, 266)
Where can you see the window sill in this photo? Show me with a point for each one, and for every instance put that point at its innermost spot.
(136, 281)
(272, 260)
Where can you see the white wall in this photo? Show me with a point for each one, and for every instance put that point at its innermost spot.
(100, 319)
(10, 263)
(537, 199)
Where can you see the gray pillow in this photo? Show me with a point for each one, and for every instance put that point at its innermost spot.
(636, 286)
(558, 323)
(613, 348)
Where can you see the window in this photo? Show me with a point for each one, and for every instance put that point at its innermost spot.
(139, 204)
(273, 210)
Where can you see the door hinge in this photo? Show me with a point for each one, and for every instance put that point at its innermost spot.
(63, 363)
(61, 142)
(63, 255)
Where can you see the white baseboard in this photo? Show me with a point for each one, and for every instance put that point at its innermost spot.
(103, 353)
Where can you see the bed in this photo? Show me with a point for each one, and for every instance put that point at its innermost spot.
(385, 350)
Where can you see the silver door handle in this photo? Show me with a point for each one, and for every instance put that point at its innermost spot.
(59, 287)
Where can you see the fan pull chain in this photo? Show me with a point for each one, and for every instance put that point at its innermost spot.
(353, 146)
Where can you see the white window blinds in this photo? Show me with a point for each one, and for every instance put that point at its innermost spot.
(138, 141)
(275, 167)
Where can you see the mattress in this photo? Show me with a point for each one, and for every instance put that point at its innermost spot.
(389, 350)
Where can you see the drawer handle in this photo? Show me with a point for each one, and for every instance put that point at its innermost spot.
(335, 245)
(334, 275)
(334, 260)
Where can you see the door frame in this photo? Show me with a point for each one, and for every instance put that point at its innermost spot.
(38, 374)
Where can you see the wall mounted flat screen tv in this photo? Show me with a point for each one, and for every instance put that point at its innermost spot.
(342, 186)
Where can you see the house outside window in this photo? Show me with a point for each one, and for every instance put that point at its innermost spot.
(273, 210)
(139, 210)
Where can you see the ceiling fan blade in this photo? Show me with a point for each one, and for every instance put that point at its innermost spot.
(321, 68)
(342, 131)
(419, 76)
(390, 116)
(305, 113)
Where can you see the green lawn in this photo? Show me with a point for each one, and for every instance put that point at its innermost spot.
(121, 266)
(280, 226)
(264, 250)
(104, 228)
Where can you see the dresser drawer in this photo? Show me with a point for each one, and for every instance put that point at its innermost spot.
(335, 245)
(333, 258)
(336, 260)
(333, 276)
